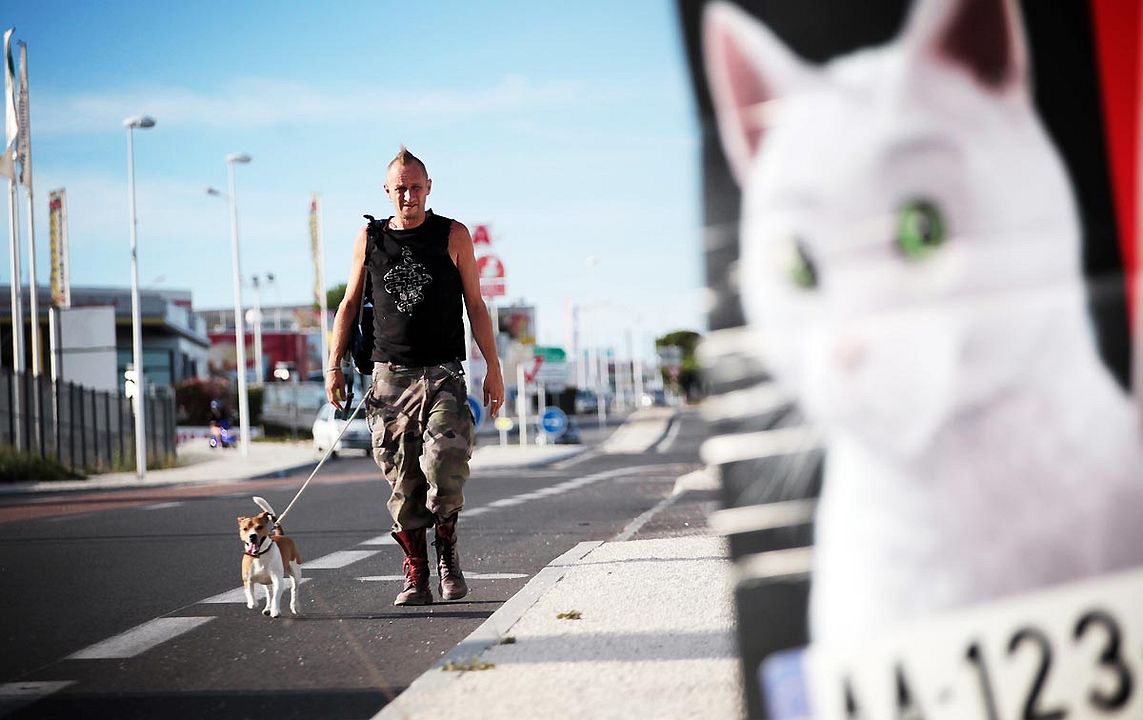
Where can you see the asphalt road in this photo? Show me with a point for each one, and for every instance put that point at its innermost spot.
(129, 599)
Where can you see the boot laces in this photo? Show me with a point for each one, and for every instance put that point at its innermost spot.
(416, 574)
(447, 552)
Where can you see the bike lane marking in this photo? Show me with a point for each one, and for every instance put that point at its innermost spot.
(139, 639)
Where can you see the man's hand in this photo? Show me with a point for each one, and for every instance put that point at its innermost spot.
(494, 392)
(335, 388)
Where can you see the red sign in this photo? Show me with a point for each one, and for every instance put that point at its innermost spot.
(480, 236)
(491, 272)
(530, 375)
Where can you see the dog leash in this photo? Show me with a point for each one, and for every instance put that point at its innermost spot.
(328, 452)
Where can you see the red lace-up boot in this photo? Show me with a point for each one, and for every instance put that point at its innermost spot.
(416, 566)
(452, 585)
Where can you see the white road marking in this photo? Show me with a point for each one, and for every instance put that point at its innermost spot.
(635, 525)
(467, 575)
(338, 559)
(380, 540)
(16, 695)
(238, 595)
(69, 518)
(576, 460)
(140, 639)
(507, 502)
(475, 511)
(164, 506)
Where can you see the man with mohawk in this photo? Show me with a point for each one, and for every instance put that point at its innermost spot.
(422, 269)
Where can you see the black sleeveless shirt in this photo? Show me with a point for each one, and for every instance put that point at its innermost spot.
(417, 298)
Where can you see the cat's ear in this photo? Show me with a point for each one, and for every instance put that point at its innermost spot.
(748, 70)
(984, 38)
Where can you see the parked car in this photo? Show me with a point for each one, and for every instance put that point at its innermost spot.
(654, 398)
(327, 427)
(585, 402)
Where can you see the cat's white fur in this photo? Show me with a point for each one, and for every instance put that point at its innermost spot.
(977, 446)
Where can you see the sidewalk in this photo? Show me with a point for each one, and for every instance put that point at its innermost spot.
(650, 634)
(198, 462)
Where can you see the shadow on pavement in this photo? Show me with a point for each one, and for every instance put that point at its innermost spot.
(277, 704)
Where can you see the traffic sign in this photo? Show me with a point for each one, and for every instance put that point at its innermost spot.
(477, 411)
(530, 375)
(550, 353)
(553, 421)
(480, 236)
(491, 271)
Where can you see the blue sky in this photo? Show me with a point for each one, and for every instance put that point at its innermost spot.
(568, 128)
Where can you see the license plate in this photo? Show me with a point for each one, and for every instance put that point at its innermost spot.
(1066, 653)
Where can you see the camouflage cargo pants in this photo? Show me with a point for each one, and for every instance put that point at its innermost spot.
(422, 439)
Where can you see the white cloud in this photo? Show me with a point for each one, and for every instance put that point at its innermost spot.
(260, 103)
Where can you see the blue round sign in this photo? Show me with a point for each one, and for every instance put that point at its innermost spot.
(553, 421)
(477, 410)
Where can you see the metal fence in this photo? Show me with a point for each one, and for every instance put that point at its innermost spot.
(85, 430)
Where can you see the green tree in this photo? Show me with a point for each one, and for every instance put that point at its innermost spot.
(689, 381)
(334, 295)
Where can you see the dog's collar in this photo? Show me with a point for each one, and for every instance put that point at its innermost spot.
(263, 551)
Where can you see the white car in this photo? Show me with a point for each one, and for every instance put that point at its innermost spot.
(326, 429)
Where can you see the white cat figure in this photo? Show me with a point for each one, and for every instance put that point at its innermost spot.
(910, 258)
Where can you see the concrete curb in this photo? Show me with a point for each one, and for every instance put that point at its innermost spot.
(94, 484)
(283, 472)
(490, 632)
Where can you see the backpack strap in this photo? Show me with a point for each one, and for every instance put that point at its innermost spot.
(367, 287)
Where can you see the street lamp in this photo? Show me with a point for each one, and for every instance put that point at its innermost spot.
(142, 122)
(239, 326)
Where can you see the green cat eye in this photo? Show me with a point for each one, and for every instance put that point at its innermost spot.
(801, 268)
(920, 229)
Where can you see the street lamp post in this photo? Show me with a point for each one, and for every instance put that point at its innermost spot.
(239, 326)
(142, 122)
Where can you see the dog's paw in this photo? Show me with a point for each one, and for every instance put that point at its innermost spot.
(266, 611)
(250, 605)
(275, 614)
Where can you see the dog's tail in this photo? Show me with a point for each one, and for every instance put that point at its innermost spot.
(261, 502)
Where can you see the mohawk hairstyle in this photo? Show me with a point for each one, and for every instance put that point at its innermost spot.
(404, 157)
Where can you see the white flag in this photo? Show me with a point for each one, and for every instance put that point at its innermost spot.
(11, 124)
(24, 143)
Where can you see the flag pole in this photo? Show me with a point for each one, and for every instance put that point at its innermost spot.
(319, 262)
(8, 165)
(25, 153)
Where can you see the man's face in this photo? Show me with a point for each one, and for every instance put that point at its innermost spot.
(407, 187)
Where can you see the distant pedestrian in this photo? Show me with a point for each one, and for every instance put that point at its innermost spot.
(421, 268)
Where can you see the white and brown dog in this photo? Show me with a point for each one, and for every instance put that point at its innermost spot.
(269, 558)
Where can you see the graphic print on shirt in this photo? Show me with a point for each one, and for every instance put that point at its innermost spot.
(407, 282)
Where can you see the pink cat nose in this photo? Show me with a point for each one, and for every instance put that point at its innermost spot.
(849, 354)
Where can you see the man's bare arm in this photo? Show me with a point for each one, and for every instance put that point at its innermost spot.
(460, 248)
(343, 322)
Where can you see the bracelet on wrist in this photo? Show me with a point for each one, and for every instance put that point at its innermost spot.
(333, 369)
